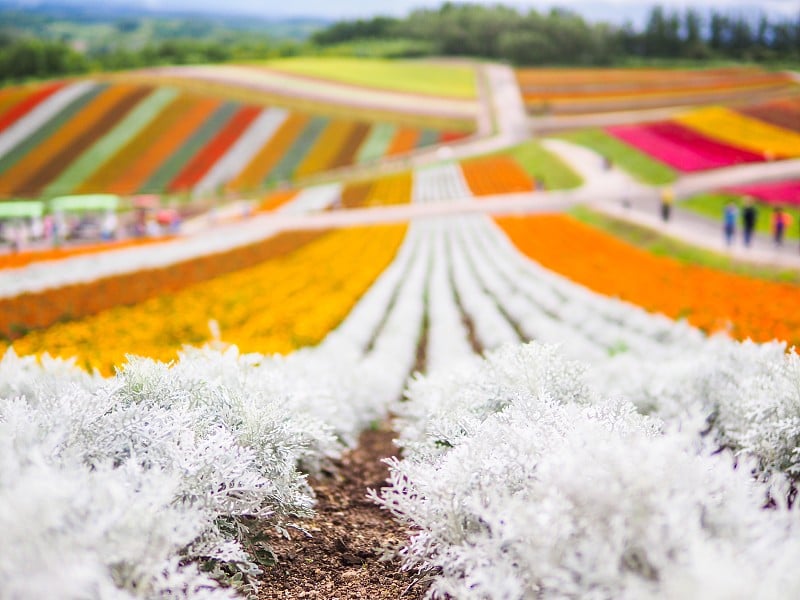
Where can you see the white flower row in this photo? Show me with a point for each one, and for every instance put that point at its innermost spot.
(141, 479)
(24, 127)
(522, 481)
(440, 183)
(447, 335)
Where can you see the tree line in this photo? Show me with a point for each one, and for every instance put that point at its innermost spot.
(562, 37)
(555, 37)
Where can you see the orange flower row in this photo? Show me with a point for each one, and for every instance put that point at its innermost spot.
(42, 309)
(564, 77)
(12, 261)
(496, 175)
(709, 299)
(644, 91)
(323, 153)
(180, 121)
(279, 305)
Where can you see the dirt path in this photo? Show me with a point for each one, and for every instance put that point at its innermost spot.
(350, 535)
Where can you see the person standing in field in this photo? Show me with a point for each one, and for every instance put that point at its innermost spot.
(729, 222)
(667, 198)
(780, 222)
(749, 219)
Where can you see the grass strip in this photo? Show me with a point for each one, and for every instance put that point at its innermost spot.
(639, 165)
(544, 166)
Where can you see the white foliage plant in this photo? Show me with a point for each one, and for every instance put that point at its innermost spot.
(124, 487)
(522, 480)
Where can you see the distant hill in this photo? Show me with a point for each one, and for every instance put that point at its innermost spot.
(47, 19)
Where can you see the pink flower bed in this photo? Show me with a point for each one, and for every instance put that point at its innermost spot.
(681, 147)
(781, 192)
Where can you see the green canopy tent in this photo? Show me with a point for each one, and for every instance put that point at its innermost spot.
(21, 209)
(85, 203)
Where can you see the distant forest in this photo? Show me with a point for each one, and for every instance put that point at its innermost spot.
(40, 44)
(562, 37)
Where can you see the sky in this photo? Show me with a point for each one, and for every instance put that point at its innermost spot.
(607, 10)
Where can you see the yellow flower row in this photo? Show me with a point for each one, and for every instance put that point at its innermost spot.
(278, 306)
(745, 132)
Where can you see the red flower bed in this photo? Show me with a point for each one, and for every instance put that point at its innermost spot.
(215, 149)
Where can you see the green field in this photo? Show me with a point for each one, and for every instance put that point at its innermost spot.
(454, 81)
(544, 166)
(662, 245)
(713, 205)
(638, 164)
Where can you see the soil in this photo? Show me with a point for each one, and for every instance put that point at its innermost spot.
(350, 552)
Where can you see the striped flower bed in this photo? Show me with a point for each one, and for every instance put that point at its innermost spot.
(744, 132)
(27, 103)
(709, 299)
(600, 90)
(682, 148)
(37, 310)
(272, 306)
(715, 137)
(85, 137)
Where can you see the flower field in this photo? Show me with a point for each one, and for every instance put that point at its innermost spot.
(708, 299)
(124, 138)
(745, 132)
(560, 91)
(44, 293)
(455, 181)
(714, 137)
(412, 77)
(473, 430)
(173, 411)
(272, 307)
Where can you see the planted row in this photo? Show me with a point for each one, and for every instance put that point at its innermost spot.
(88, 137)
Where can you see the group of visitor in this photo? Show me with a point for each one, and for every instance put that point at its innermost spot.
(749, 218)
(733, 216)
